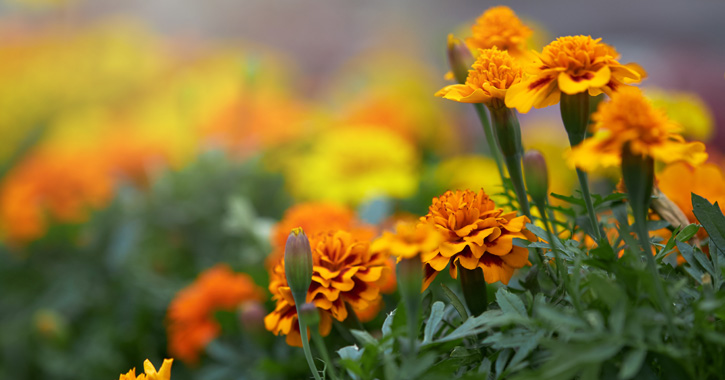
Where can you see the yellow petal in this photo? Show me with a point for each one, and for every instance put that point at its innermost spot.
(575, 84)
(533, 92)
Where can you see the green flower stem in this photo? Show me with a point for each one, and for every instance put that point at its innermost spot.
(306, 346)
(575, 113)
(410, 281)
(563, 277)
(474, 289)
(490, 139)
(508, 136)
(322, 348)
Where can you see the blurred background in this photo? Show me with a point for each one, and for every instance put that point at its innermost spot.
(145, 141)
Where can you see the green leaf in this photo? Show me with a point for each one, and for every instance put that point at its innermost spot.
(632, 363)
(434, 321)
(711, 218)
(455, 301)
(364, 337)
(688, 232)
(510, 303)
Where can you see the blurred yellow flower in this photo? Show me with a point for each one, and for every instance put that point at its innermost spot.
(164, 372)
(491, 75)
(409, 240)
(500, 27)
(629, 118)
(353, 164)
(571, 65)
(469, 172)
(686, 109)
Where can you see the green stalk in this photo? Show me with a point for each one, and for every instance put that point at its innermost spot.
(306, 346)
(563, 277)
(490, 139)
(474, 289)
(575, 115)
(410, 281)
(508, 136)
(322, 348)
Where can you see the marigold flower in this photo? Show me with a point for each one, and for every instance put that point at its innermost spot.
(499, 27)
(571, 65)
(164, 372)
(191, 325)
(687, 109)
(678, 181)
(630, 118)
(493, 73)
(476, 234)
(408, 241)
(344, 271)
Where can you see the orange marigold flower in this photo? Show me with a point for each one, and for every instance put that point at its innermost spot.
(344, 271)
(476, 234)
(571, 64)
(493, 73)
(191, 324)
(315, 217)
(678, 181)
(500, 27)
(164, 372)
(630, 118)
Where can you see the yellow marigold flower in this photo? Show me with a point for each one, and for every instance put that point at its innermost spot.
(493, 73)
(191, 323)
(164, 372)
(630, 118)
(476, 234)
(687, 109)
(571, 65)
(408, 241)
(344, 271)
(351, 165)
(499, 27)
(467, 172)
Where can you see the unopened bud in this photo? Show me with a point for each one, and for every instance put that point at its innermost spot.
(309, 313)
(298, 264)
(536, 176)
(251, 316)
(459, 58)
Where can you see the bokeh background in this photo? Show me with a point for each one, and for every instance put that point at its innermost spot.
(143, 142)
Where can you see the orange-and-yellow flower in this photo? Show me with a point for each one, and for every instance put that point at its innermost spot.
(164, 372)
(476, 234)
(191, 324)
(409, 240)
(679, 180)
(344, 271)
(630, 118)
(488, 81)
(500, 27)
(571, 64)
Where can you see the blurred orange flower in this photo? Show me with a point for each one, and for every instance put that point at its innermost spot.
(500, 27)
(51, 186)
(344, 272)
(630, 118)
(190, 321)
(476, 234)
(679, 180)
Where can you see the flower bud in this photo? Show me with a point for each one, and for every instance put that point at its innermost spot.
(298, 264)
(309, 313)
(251, 316)
(537, 176)
(459, 58)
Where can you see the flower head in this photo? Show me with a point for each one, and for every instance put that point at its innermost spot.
(191, 324)
(164, 372)
(476, 234)
(629, 118)
(493, 73)
(500, 27)
(678, 181)
(409, 240)
(344, 272)
(571, 65)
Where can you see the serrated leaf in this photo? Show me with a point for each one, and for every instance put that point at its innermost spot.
(434, 321)
(387, 328)
(711, 218)
(510, 303)
(501, 360)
